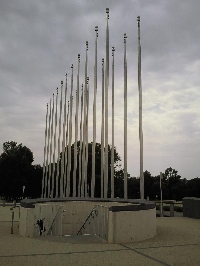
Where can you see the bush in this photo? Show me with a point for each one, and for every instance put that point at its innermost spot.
(178, 209)
(166, 208)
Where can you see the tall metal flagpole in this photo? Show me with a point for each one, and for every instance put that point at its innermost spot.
(86, 145)
(125, 119)
(94, 118)
(113, 142)
(51, 135)
(45, 151)
(47, 162)
(78, 95)
(106, 108)
(80, 185)
(54, 148)
(75, 150)
(76, 131)
(58, 178)
(70, 136)
(63, 158)
(102, 134)
(140, 113)
(67, 181)
(51, 150)
(84, 127)
(84, 141)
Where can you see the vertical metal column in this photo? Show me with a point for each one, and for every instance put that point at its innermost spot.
(67, 181)
(113, 143)
(85, 126)
(51, 150)
(63, 158)
(106, 108)
(161, 198)
(102, 134)
(47, 162)
(45, 152)
(54, 148)
(125, 119)
(59, 183)
(80, 184)
(86, 144)
(76, 132)
(70, 137)
(140, 113)
(94, 119)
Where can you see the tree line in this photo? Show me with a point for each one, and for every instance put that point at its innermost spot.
(20, 178)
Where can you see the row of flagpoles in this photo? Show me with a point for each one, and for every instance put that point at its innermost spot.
(57, 170)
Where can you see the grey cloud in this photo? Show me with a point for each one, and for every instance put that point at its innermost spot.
(41, 39)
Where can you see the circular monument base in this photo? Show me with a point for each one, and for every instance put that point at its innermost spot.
(116, 221)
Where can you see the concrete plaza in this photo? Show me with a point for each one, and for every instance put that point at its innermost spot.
(177, 243)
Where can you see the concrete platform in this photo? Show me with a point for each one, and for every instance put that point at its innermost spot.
(177, 243)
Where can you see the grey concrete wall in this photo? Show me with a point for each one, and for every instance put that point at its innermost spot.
(131, 226)
(116, 222)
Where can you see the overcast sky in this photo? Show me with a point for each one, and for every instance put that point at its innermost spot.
(40, 39)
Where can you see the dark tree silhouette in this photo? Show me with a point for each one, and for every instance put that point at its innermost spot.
(17, 171)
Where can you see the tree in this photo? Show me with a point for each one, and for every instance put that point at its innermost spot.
(193, 187)
(174, 184)
(133, 188)
(154, 190)
(34, 182)
(15, 169)
(148, 182)
(117, 166)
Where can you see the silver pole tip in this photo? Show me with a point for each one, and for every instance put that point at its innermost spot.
(113, 50)
(125, 37)
(138, 20)
(107, 12)
(96, 29)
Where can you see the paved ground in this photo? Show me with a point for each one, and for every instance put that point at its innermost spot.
(177, 243)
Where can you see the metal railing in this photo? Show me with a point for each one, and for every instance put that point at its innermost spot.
(96, 222)
(50, 229)
(12, 206)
